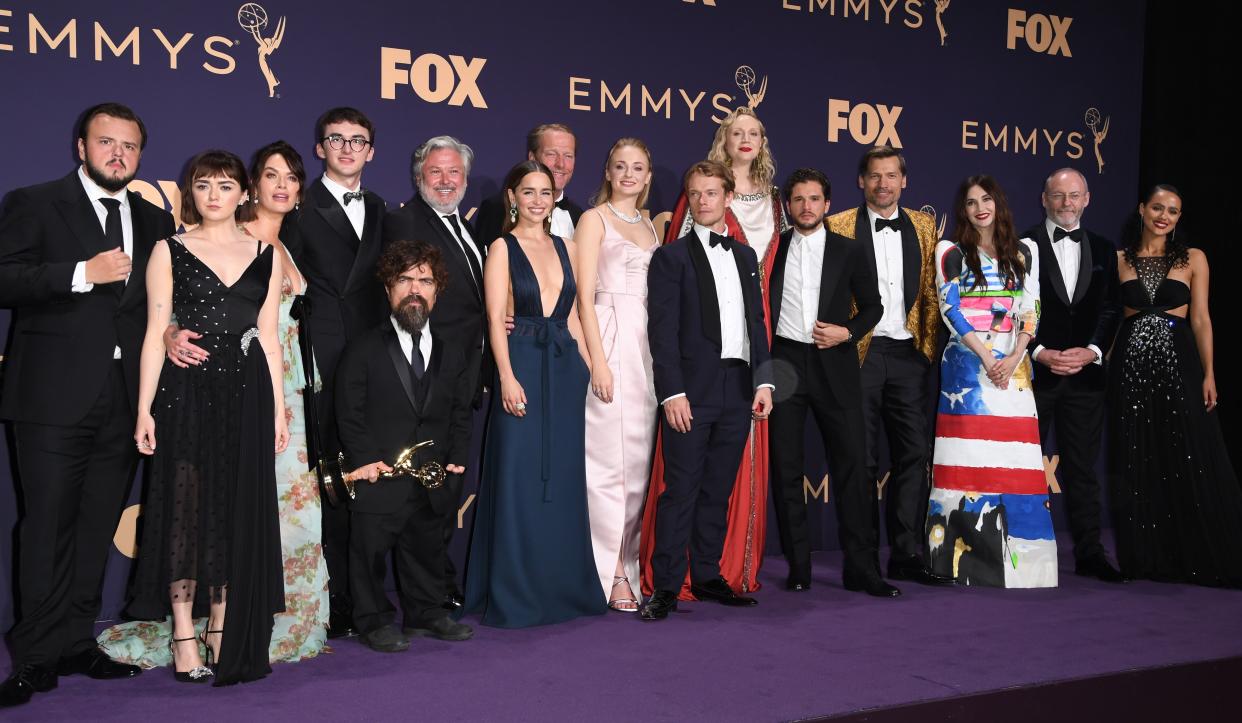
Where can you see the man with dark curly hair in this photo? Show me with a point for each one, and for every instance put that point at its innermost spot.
(397, 385)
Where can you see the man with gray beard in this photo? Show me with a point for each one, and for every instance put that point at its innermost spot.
(399, 384)
(440, 169)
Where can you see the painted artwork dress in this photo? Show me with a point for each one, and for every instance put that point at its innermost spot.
(988, 519)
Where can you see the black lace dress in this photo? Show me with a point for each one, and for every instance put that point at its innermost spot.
(210, 529)
(1176, 502)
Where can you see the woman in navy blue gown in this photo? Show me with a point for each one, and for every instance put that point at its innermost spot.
(530, 559)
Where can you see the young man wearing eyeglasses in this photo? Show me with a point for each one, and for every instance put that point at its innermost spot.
(335, 239)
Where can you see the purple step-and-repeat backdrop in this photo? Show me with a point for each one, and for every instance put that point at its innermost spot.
(1015, 89)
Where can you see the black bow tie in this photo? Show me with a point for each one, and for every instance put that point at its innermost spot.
(561, 204)
(353, 196)
(724, 242)
(883, 223)
(1060, 233)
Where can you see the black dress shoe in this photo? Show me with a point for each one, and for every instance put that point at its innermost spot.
(442, 628)
(94, 663)
(797, 584)
(1099, 567)
(25, 681)
(659, 606)
(873, 586)
(386, 639)
(719, 591)
(917, 573)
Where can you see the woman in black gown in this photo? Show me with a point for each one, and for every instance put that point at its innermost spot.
(210, 532)
(530, 559)
(1175, 498)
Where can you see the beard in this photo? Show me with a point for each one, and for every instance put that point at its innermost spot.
(433, 199)
(108, 183)
(411, 314)
(808, 228)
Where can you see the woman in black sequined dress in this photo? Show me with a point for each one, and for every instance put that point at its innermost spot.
(210, 532)
(1176, 502)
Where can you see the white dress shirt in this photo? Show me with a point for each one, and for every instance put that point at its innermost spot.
(355, 210)
(79, 284)
(562, 222)
(471, 247)
(406, 340)
(890, 268)
(800, 293)
(1069, 258)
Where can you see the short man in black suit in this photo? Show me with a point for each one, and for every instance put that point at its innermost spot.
(709, 349)
(401, 383)
(441, 170)
(555, 146)
(823, 299)
(73, 254)
(335, 240)
(1079, 314)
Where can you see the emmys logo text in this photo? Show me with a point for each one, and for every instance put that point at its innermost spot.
(665, 101)
(212, 53)
(983, 136)
(911, 14)
(1041, 33)
(434, 78)
(868, 125)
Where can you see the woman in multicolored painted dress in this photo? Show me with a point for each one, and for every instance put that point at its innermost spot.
(988, 520)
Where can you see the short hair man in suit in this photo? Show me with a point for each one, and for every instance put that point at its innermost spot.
(555, 146)
(73, 256)
(709, 351)
(399, 384)
(823, 300)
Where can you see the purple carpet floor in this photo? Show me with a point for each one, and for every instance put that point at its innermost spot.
(796, 655)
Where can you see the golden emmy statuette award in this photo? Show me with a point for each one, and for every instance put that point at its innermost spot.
(744, 76)
(1092, 119)
(340, 484)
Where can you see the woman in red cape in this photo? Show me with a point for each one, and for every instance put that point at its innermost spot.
(756, 218)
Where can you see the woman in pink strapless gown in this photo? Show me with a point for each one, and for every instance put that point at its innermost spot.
(615, 242)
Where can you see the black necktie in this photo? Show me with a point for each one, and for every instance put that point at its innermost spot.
(1060, 233)
(353, 196)
(724, 242)
(112, 224)
(475, 272)
(417, 366)
(883, 223)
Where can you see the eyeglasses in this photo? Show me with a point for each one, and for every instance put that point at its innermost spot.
(336, 142)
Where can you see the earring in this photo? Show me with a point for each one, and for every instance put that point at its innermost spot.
(297, 205)
(255, 201)
(513, 214)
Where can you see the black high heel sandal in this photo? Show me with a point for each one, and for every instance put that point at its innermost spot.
(210, 658)
(199, 674)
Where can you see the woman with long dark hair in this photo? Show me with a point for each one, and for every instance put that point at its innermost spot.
(988, 521)
(1176, 504)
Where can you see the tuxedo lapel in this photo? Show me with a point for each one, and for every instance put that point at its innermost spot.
(433, 368)
(141, 250)
(1048, 259)
(400, 364)
(777, 278)
(1085, 265)
(449, 242)
(911, 258)
(331, 211)
(364, 258)
(830, 274)
(862, 226)
(75, 208)
(709, 302)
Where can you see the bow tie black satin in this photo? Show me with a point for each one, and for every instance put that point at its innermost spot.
(883, 223)
(724, 242)
(561, 205)
(353, 196)
(1060, 233)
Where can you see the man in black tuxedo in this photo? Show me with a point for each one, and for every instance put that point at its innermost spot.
(441, 170)
(1079, 314)
(73, 255)
(823, 300)
(400, 383)
(897, 357)
(709, 350)
(335, 239)
(555, 146)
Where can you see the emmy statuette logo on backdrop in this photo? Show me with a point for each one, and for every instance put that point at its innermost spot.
(1042, 33)
(941, 6)
(253, 19)
(744, 77)
(1092, 119)
(939, 222)
(867, 124)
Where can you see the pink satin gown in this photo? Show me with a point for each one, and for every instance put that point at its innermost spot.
(620, 435)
